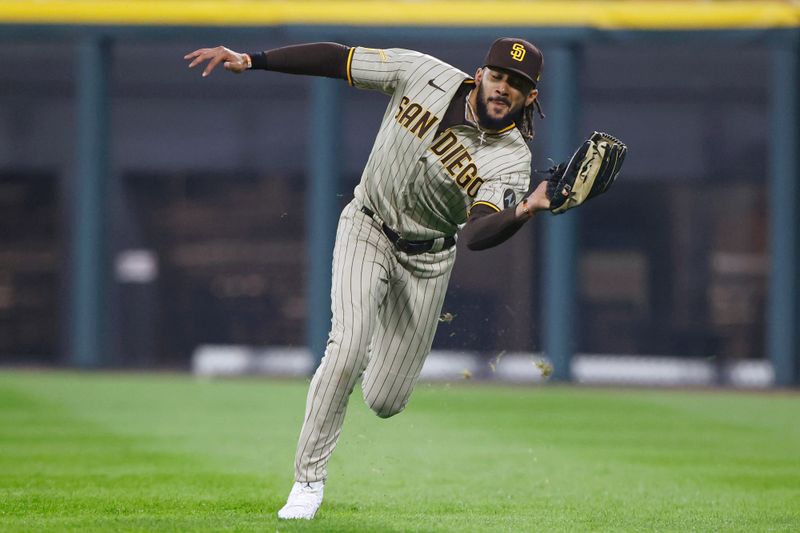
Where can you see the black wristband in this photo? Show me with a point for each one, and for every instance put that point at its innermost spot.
(259, 60)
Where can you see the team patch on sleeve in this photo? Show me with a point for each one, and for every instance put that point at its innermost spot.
(509, 198)
(503, 191)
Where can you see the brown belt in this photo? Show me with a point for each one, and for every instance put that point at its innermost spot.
(404, 245)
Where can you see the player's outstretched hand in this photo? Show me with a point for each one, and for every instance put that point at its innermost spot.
(590, 172)
(233, 61)
(536, 201)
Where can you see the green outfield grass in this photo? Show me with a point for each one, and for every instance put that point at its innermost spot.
(171, 452)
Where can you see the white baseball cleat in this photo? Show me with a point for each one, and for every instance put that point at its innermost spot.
(303, 502)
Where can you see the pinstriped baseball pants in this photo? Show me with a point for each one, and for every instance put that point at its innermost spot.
(385, 308)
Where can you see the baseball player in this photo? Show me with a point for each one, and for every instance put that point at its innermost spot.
(451, 155)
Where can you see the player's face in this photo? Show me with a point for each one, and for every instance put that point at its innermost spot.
(501, 96)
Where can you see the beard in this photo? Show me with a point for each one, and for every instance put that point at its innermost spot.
(490, 122)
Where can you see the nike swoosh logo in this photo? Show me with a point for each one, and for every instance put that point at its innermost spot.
(430, 82)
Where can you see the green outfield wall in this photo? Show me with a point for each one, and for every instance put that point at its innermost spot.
(92, 27)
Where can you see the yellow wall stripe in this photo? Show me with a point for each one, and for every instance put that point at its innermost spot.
(611, 14)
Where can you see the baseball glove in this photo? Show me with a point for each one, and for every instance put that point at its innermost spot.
(590, 172)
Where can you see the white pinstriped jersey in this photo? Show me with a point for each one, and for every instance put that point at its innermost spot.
(385, 303)
(421, 184)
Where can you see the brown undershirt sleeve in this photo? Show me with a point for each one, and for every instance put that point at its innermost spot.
(487, 228)
(315, 59)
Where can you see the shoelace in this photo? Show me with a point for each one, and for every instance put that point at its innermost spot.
(304, 500)
(305, 494)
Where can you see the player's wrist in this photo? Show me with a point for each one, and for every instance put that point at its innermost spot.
(258, 60)
(524, 210)
(248, 61)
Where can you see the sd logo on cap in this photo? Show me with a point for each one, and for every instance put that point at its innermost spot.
(516, 55)
(518, 52)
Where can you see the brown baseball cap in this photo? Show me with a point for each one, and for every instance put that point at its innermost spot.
(516, 55)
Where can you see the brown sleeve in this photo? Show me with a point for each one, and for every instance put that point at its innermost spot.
(315, 59)
(487, 228)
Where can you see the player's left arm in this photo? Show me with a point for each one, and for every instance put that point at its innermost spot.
(489, 226)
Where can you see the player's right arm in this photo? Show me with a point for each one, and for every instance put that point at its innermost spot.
(367, 68)
(315, 59)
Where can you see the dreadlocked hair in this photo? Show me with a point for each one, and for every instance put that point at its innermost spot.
(526, 128)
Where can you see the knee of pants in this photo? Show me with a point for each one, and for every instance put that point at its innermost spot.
(343, 373)
(343, 365)
(383, 407)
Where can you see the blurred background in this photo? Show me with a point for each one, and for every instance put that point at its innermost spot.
(152, 219)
